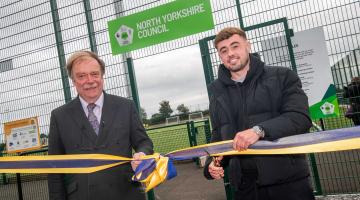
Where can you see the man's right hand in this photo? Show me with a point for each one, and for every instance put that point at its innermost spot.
(215, 169)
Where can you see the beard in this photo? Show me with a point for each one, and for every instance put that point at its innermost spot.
(239, 67)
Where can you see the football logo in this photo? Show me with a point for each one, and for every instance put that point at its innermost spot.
(124, 35)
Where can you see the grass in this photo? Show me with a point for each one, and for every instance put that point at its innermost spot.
(171, 138)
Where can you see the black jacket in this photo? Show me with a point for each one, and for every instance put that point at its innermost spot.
(352, 92)
(270, 97)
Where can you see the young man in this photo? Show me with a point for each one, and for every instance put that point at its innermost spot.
(96, 123)
(251, 101)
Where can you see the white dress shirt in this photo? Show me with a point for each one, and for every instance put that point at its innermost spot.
(98, 108)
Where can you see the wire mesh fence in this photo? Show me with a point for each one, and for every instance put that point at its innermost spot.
(169, 138)
(24, 186)
(37, 37)
(339, 172)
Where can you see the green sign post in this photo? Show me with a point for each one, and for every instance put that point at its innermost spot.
(160, 24)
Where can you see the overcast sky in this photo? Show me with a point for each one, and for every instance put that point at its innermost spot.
(176, 76)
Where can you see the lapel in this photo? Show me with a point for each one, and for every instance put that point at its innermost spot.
(78, 114)
(107, 117)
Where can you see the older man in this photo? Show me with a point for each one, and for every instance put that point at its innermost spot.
(100, 123)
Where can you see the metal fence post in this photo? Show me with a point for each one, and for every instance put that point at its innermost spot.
(193, 133)
(290, 33)
(90, 26)
(207, 130)
(150, 195)
(19, 187)
(192, 137)
(135, 97)
(133, 85)
(241, 21)
(318, 188)
(188, 126)
(4, 179)
(60, 50)
(3, 175)
(356, 64)
(206, 60)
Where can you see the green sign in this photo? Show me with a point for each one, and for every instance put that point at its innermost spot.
(327, 107)
(160, 24)
(313, 68)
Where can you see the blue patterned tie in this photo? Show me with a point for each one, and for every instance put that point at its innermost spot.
(92, 118)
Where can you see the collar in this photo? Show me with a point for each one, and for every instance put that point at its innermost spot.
(99, 102)
(255, 69)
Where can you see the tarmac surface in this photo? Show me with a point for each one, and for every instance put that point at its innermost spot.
(190, 184)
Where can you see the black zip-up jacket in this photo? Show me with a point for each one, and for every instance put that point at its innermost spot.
(352, 92)
(270, 97)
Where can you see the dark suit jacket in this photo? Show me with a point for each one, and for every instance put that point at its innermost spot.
(120, 131)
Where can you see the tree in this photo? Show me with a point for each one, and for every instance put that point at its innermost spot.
(157, 118)
(143, 114)
(165, 109)
(182, 109)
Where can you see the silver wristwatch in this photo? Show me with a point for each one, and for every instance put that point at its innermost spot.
(259, 131)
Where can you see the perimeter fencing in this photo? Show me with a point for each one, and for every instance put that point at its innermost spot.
(38, 36)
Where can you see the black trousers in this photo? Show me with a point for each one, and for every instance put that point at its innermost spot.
(296, 190)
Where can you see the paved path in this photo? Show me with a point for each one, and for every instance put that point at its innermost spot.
(190, 184)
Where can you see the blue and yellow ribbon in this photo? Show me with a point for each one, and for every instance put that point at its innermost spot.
(155, 169)
(82, 163)
(324, 141)
(152, 172)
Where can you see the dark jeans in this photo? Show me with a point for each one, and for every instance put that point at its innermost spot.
(296, 190)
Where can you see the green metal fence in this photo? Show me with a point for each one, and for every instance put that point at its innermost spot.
(179, 136)
(37, 37)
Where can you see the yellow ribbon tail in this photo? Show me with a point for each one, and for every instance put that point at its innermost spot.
(153, 172)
